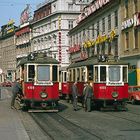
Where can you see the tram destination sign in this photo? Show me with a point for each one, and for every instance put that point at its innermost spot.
(115, 83)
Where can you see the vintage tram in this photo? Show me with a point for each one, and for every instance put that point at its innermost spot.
(108, 78)
(40, 84)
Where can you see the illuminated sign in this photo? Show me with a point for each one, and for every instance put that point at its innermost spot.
(76, 48)
(135, 21)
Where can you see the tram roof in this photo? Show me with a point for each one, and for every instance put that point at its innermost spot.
(94, 61)
(45, 60)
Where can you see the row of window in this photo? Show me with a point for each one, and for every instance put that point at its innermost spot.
(109, 22)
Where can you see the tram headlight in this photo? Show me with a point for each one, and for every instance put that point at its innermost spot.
(115, 94)
(43, 95)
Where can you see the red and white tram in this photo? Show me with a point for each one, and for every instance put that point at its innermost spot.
(40, 84)
(108, 79)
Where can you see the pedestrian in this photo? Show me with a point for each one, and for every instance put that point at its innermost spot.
(83, 95)
(16, 90)
(88, 97)
(75, 96)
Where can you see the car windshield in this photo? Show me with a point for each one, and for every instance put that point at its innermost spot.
(136, 89)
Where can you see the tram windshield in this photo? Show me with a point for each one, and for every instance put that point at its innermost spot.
(43, 73)
(114, 73)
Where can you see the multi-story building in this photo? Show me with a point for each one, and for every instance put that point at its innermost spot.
(97, 31)
(51, 23)
(7, 52)
(23, 35)
(130, 37)
(23, 41)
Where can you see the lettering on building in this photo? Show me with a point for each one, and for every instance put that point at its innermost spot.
(91, 9)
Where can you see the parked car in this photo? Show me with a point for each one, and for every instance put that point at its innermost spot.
(134, 94)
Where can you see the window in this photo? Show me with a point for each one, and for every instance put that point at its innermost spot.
(83, 74)
(116, 18)
(31, 72)
(70, 7)
(70, 22)
(103, 73)
(74, 75)
(136, 5)
(96, 74)
(93, 29)
(114, 73)
(43, 73)
(116, 46)
(127, 40)
(54, 73)
(136, 38)
(98, 26)
(125, 74)
(90, 72)
(109, 22)
(78, 74)
(103, 24)
(126, 8)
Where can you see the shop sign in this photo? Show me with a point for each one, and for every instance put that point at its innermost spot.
(135, 21)
(75, 48)
(79, 56)
(91, 9)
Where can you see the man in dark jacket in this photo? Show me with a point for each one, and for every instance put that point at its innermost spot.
(16, 90)
(75, 96)
(88, 97)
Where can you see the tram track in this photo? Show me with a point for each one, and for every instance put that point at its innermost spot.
(125, 117)
(58, 127)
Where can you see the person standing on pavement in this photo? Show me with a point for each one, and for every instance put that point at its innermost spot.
(75, 96)
(88, 97)
(16, 90)
(83, 95)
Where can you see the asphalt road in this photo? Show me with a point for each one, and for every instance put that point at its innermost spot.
(81, 125)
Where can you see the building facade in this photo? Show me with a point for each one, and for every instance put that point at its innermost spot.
(130, 38)
(23, 37)
(7, 52)
(51, 23)
(97, 32)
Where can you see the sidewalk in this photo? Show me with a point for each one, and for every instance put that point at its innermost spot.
(11, 127)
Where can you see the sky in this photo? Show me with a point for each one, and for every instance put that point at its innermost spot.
(11, 9)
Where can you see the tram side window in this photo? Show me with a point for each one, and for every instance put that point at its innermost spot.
(96, 74)
(83, 74)
(54, 73)
(31, 72)
(90, 72)
(125, 74)
(78, 74)
(70, 75)
(102, 73)
(74, 76)
(65, 77)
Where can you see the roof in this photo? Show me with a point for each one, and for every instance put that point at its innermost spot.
(44, 60)
(94, 61)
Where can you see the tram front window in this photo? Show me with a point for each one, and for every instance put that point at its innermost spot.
(43, 73)
(114, 73)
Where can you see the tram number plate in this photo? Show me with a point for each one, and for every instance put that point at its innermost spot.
(102, 87)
